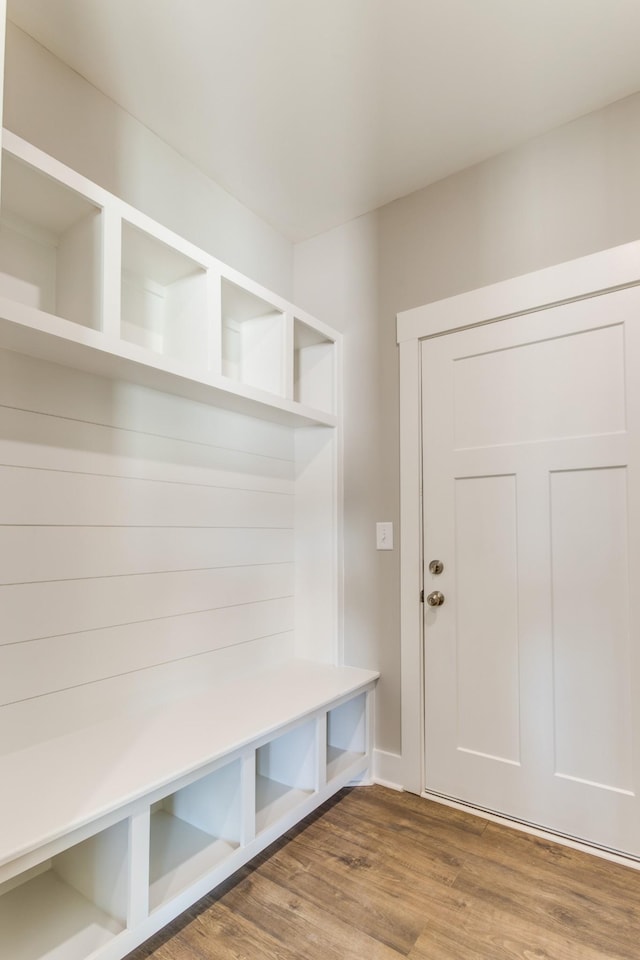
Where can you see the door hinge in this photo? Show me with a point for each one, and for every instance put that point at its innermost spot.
(422, 596)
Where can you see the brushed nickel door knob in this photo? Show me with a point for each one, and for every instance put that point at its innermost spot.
(435, 599)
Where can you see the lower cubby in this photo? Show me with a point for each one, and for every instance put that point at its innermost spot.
(346, 736)
(69, 906)
(286, 774)
(192, 831)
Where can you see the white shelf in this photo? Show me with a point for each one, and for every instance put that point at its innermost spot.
(37, 334)
(89, 282)
(46, 919)
(274, 800)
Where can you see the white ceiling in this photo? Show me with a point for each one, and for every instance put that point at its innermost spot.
(312, 112)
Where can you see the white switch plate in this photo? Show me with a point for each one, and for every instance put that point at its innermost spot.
(384, 535)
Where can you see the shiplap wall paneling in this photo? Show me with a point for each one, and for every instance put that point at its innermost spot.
(144, 529)
(317, 535)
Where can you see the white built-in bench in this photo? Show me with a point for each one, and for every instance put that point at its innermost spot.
(110, 831)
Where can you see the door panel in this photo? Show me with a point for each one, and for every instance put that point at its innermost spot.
(531, 439)
(487, 617)
(544, 403)
(591, 643)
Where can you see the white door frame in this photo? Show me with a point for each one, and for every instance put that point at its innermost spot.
(575, 280)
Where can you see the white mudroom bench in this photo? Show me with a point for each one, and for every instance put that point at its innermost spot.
(111, 830)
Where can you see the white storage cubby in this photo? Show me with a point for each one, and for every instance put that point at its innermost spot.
(164, 299)
(286, 774)
(253, 340)
(314, 368)
(50, 245)
(147, 305)
(69, 906)
(346, 736)
(192, 831)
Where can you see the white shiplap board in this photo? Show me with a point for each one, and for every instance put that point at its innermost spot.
(138, 530)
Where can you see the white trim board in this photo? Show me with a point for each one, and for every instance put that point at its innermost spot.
(587, 276)
(575, 279)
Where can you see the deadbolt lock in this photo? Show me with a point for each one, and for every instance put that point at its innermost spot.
(436, 567)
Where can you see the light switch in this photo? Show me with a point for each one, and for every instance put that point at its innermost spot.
(384, 535)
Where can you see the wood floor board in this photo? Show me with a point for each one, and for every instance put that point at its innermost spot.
(351, 894)
(295, 920)
(587, 914)
(376, 874)
(479, 931)
(356, 844)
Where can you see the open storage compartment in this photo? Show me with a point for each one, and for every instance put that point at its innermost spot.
(253, 340)
(346, 736)
(164, 304)
(50, 245)
(192, 831)
(286, 774)
(69, 906)
(314, 368)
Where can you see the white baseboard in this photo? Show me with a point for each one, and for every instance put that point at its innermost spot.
(387, 769)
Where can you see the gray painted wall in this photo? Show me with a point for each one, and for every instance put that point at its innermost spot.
(571, 192)
(56, 109)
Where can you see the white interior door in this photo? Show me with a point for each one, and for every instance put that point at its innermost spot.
(531, 442)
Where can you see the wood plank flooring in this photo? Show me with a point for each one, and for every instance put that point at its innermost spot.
(380, 875)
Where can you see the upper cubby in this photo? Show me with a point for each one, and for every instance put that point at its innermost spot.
(164, 305)
(253, 338)
(89, 282)
(314, 374)
(50, 245)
